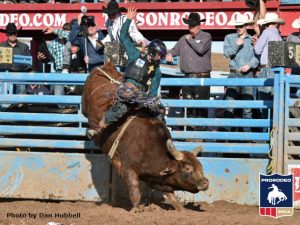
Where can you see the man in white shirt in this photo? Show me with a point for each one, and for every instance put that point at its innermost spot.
(295, 37)
(271, 22)
(114, 23)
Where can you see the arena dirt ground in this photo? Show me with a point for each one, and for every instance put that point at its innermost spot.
(89, 213)
(219, 62)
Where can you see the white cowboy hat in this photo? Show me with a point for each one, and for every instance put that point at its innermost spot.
(271, 18)
(240, 20)
(296, 23)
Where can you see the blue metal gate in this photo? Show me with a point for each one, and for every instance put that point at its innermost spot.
(231, 160)
(291, 123)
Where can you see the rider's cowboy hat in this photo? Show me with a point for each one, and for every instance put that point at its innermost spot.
(193, 20)
(113, 8)
(240, 20)
(296, 23)
(271, 18)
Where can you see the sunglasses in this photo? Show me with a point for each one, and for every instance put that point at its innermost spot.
(193, 26)
(239, 27)
(91, 24)
(12, 34)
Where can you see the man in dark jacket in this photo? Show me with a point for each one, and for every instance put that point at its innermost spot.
(139, 71)
(87, 37)
(19, 48)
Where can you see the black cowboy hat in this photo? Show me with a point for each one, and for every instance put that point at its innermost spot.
(113, 8)
(11, 28)
(193, 19)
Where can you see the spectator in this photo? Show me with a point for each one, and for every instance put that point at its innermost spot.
(87, 37)
(73, 59)
(114, 23)
(271, 22)
(8, 2)
(56, 48)
(295, 37)
(73, 62)
(194, 50)
(243, 62)
(37, 89)
(140, 69)
(33, 1)
(19, 48)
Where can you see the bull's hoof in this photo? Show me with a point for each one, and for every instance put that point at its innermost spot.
(136, 210)
(91, 133)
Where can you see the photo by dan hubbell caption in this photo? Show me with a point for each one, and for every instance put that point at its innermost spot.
(41, 215)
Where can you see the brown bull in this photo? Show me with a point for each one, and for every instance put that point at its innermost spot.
(145, 150)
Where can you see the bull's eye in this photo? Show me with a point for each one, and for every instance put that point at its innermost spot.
(188, 168)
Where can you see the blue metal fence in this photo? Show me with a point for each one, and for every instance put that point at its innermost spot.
(232, 160)
(291, 124)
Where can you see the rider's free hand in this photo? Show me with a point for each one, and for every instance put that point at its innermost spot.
(131, 13)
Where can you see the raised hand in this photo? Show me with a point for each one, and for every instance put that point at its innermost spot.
(245, 68)
(254, 39)
(41, 56)
(131, 13)
(48, 30)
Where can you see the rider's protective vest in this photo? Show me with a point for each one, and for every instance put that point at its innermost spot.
(140, 70)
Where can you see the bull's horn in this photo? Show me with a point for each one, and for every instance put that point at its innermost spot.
(196, 151)
(173, 151)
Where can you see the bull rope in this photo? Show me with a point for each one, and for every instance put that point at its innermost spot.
(272, 163)
(116, 142)
(112, 80)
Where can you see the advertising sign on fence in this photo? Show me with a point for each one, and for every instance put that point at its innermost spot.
(295, 169)
(5, 55)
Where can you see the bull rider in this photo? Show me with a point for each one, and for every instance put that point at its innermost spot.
(140, 70)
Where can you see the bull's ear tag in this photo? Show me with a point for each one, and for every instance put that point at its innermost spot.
(166, 172)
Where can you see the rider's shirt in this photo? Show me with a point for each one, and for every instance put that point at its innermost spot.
(140, 70)
(133, 55)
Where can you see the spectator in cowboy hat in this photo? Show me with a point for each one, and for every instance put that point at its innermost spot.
(295, 37)
(296, 23)
(194, 50)
(115, 21)
(19, 48)
(271, 22)
(243, 62)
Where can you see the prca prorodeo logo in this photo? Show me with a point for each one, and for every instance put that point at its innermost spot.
(276, 195)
